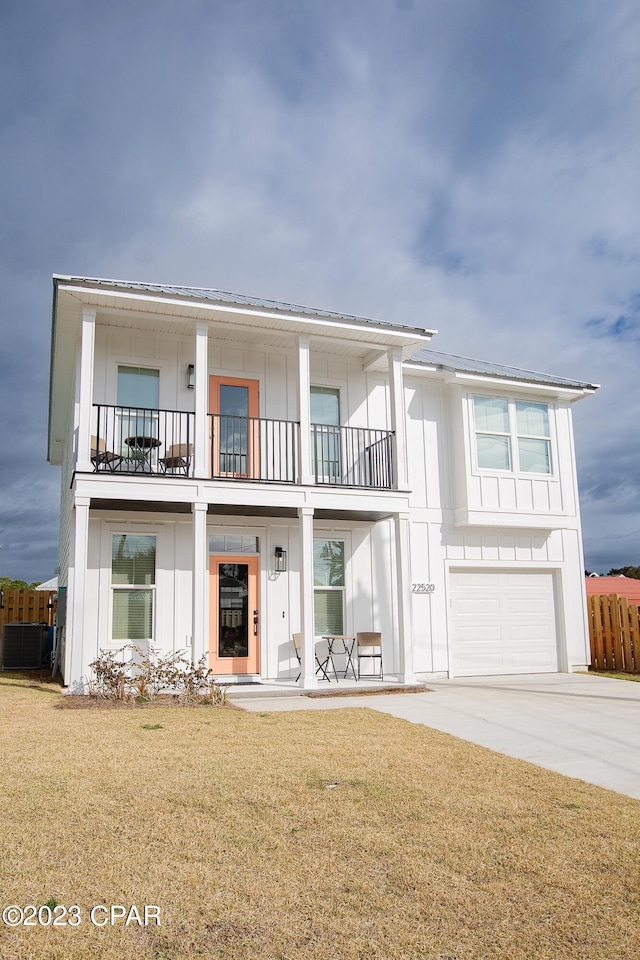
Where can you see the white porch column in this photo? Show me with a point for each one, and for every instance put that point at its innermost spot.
(304, 409)
(200, 619)
(398, 418)
(77, 658)
(85, 389)
(403, 593)
(201, 391)
(308, 679)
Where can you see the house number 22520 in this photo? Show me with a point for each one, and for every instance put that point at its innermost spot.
(423, 587)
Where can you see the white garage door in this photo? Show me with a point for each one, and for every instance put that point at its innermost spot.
(502, 622)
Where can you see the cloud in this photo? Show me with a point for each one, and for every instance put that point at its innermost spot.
(470, 167)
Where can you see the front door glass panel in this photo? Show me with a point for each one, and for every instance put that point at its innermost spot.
(233, 610)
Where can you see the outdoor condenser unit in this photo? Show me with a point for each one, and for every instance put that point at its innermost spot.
(23, 645)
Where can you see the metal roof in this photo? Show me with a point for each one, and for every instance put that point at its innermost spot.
(234, 299)
(455, 364)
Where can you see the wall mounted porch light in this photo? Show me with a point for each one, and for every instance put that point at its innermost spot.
(191, 376)
(280, 565)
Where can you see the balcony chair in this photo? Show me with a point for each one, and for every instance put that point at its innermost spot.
(369, 647)
(178, 459)
(101, 457)
(321, 665)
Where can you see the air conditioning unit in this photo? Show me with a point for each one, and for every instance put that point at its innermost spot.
(23, 645)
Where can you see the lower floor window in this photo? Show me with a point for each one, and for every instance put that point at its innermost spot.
(133, 577)
(132, 615)
(328, 587)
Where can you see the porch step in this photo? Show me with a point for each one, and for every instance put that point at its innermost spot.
(259, 691)
(270, 691)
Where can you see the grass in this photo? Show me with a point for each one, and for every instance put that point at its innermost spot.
(616, 676)
(302, 836)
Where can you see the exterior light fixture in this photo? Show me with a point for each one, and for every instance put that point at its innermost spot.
(191, 376)
(281, 560)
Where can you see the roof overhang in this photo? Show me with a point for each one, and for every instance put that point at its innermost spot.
(461, 378)
(279, 326)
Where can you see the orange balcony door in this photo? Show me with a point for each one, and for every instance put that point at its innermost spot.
(234, 404)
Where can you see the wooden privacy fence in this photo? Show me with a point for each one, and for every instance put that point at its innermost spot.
(614, 633)
(27, 606)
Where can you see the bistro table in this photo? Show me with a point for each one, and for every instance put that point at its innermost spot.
(348, 644)
(142, 447)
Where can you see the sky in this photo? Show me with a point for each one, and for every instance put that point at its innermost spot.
(471, 167)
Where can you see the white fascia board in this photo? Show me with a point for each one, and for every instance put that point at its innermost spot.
(550, 388)
(420, 335)
(482, 380)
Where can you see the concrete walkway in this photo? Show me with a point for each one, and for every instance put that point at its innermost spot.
(578, 725)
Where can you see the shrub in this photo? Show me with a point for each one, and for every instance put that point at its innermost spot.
(129, 674)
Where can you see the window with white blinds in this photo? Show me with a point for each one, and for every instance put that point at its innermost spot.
(328, 587)
(133, 578)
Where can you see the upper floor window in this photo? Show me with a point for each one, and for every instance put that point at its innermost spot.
(325, 432)
(512, 435)
(138, 387)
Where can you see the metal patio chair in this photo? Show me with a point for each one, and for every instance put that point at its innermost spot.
(321, 665)
(178, 459)
(100, 456)
(369, 647)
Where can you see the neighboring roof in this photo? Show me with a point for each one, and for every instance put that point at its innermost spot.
(447, 361)
(235, 299)
(624, 586)
(53, 584)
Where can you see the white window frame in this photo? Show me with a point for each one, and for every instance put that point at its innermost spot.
(513, 436)
(150, 587)
(321, 535)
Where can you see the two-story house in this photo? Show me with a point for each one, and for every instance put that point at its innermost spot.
(236, 471)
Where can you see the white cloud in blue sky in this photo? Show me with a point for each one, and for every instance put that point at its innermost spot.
(469, 166)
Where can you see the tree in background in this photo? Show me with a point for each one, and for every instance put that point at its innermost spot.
(625, 571)
(6, 583)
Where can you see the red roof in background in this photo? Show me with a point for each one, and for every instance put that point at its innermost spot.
(624, 586)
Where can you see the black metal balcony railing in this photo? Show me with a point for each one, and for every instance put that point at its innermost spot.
(249, 448)
(352, 456)
(142, 440)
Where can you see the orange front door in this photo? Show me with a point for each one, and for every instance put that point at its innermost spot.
(234, 404)
(234, 629)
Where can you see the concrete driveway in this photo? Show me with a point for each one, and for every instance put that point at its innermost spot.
(582, 726)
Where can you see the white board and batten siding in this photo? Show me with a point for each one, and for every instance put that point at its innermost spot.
(502, 622)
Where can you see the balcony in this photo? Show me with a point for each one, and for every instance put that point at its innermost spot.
(140, 440)
(136, 440)
(352, 456)
(252, 448)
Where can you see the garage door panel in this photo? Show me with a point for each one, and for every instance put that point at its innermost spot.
(540, 582)
(528, 606)
(472, 607)
(476, 581)
(502, 622)
(533, 660)
(486, 633)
